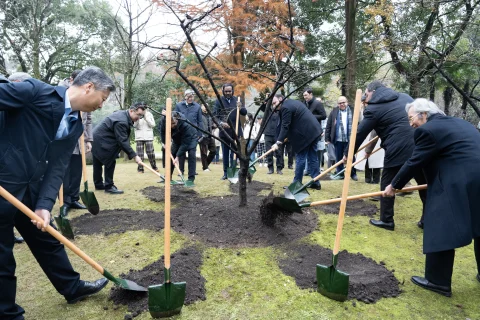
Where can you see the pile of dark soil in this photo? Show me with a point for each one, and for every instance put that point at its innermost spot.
(185, 268)
(178, 193)
(354, 208)
(270, 212)
(117, 221)
(253, 188)
(369, 281)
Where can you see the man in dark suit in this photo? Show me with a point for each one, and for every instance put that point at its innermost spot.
(446, 149)
(386, 115)
(302, 129)
(42, 126)
(316, 108)
(223, 113)
(110, 137)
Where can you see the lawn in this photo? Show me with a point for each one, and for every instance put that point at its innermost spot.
(247, 283)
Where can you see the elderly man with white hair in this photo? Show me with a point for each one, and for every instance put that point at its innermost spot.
(447, 149)
(19, 77)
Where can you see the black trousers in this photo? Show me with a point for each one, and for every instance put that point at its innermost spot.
(439, 265)
(97, 173)
(207, 151)
(339, 152)
(269, 142)
(289, 152)
(227, 157)
(192, 163)
(72, 179)
(372, 175)
(387, 203)
(48, 252)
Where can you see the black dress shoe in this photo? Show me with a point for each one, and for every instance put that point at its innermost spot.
(224, 177)
(420, 224)
(270, 171)
(77, 205)
(113, 190)
(18, 239)
(290, 167)
(385, 225)
(424, 283)
(86, 289)
(316, 187)
(354, 177)
(279, 172)
(99, 187)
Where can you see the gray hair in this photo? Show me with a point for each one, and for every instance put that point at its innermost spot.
(374, 85)
(96, 76)
(19, 76)
(423, 105)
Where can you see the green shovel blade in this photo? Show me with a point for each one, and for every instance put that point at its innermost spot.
(124, 283)
(232, 174)
(189, 183)
(167, 299)
(175, 182)
(252, 170)
(63, 224)
(331, 282)
(89, 200)
(297, 191)
(287, 204)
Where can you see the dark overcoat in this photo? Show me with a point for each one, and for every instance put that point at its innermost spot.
(447, 149)
(298, 124)
(386, 115)
(30, 157)
(184, 136)
(228, 114)
(111, 136)
(317, 109)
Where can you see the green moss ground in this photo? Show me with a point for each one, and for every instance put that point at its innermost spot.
(250, 285)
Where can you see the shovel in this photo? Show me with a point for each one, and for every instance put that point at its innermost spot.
(123, 283)
(299, 192)
(331, 282)
(155, 172)
(354, 164)
(167, 299)
(88, 197)
(251, 167)
(63, 223)
(186, 183)
(232, 172)
(293, 206)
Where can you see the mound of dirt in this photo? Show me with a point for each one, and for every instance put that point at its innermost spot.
(253, 188)
(354, 208)
(178, 193)
(270, 212)
(369, 281)
(185, 268)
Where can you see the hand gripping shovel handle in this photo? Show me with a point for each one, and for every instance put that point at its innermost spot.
(358, 161)
(173, 160)
(265, 154)
(361, 196)
(57, 235)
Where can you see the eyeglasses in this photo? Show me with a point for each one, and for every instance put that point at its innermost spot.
(410, 119)
(343, 102)
(139, 115)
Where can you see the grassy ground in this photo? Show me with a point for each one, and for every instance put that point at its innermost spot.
(251, 285)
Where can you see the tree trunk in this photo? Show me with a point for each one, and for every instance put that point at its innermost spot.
(447, 98)
(466, 88)
(350, 7)
(242, 181)
(432, 87)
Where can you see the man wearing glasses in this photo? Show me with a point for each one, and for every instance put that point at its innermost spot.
(110, 137)
(386, 115)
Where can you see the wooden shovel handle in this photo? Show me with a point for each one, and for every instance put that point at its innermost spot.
(57, 235)
(366, 195)
(358, 161)
(346, 181)
(145, 166)
(84, 159)
(168, 167)
(60, 195)
(236, 124)
(324, 173)
(173, 160)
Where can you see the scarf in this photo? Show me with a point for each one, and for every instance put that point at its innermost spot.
(349, 124)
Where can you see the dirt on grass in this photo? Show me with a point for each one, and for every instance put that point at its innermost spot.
(178, 193)
(253, 188)
(369, 281)
(185, 267)
(354, 208)
(216, 221)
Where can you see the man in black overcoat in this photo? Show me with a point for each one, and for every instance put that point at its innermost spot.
(386, 115)
(447, 150)
(316, 108)
(110, 137)
(42, 127)
(223, 113)
(302, 130)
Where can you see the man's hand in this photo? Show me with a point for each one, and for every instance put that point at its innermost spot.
(367, 155)
(137, 159)
(88, 147)
(45, 216)
(327, 143)
(276, 146)
(389, 191)
(225, 125)
(175, 161)
(344, 159)
(164, 112)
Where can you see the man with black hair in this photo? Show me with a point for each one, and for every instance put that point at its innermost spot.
(110, 137)
(207, 143)
(224, 116)
(43, 124)
(386, 115)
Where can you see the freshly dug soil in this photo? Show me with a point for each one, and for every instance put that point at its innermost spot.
(178, 193)
(117, 221)
(253, 188)
(185, 268)
(270, 212)
(354, 208)
(368, 282)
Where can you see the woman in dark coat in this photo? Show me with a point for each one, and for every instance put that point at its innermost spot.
(447, 149)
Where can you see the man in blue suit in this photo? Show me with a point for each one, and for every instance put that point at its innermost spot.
(42, 126)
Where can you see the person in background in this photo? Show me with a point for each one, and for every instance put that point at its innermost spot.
(260, 149)
(216, 133)
(207, 143)
(19, 77)
(144, 137)
(316, 107)
(249, 137)
(446, 149)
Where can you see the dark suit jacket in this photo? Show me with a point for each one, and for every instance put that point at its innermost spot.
(331, 128)
(228, 114)
(111, 136)
(386, 115)
(298, 124)
(30, 157)
(193, 113)
(447, 149)
(317, 109)
(184, 137)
